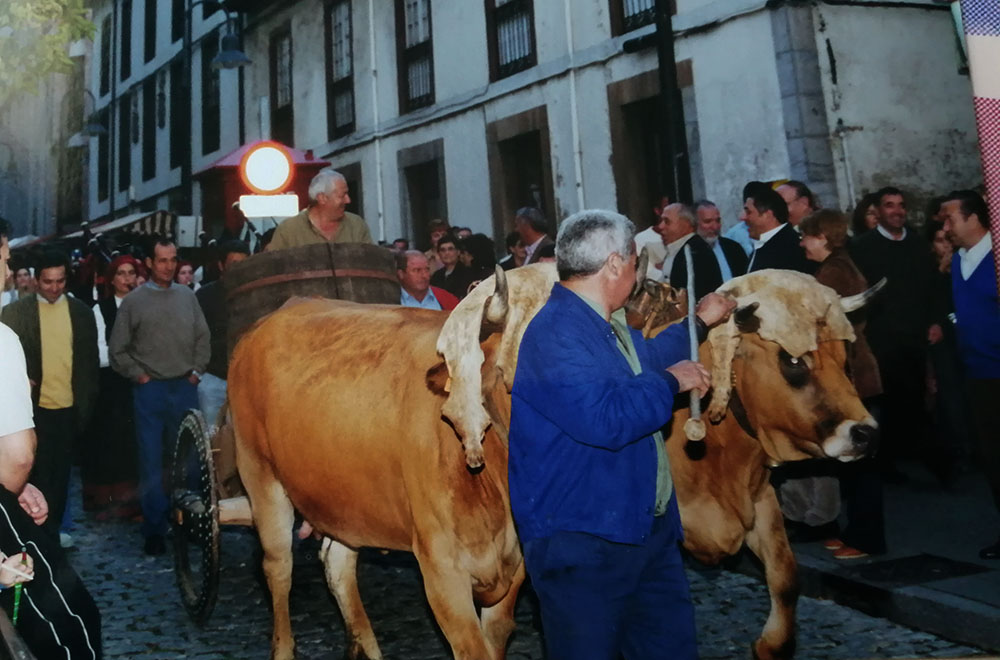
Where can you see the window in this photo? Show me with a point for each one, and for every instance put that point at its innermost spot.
(124, 144)
(282, 117)
(106, 55)
(149, 42)
(176, 20)
(148, 128)
(126, 63)
(103, 155)
(210, 115)
(339, 69)
(628, 15)
(414, 54)
(511, 32)
(180, 135)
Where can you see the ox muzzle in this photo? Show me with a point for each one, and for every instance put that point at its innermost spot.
(852, 440)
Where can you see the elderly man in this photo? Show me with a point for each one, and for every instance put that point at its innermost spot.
(59, 337)
(974, 287)
(716, 260)
(326, 219)
(414, 275)
(775, 242)
(650, 240)
(800, 201)
(160, 342)
(590, 483)
(530, 223)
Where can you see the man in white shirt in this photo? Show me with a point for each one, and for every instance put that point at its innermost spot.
(530, 223)
(775, 242)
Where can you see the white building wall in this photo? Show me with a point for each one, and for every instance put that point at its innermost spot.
(906, 112)
(151, 192)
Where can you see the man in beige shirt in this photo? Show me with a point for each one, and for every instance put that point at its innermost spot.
(326, 219)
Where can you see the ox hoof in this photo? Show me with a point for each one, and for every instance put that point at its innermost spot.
(760, 650)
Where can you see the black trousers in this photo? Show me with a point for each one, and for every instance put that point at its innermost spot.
(985, 397)
(56, 430)
(58, 617)
(906, 424)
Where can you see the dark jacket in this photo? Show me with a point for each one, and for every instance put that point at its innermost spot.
(840, 274)
(456, 283)
(582, 457)
(707, 274)
(900, 315)
(23, 318)
(782, 251)
(535, 255)
(212, 298)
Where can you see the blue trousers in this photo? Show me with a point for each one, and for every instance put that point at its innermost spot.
(159, 407)
(600, 599)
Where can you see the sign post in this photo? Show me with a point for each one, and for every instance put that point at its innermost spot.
(267, 170)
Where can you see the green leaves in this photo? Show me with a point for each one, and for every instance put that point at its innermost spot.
(34, 35)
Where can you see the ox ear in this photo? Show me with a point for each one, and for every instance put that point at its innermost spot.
(746, 318)
(859, 300)
(438, 379)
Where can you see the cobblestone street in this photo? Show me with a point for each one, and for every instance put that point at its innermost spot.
(143, 616)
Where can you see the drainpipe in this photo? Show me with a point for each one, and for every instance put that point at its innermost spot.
(112, 111)
(574, 113)
(375, 116)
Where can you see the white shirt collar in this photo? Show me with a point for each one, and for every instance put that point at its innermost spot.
(885, 232)
(55, 302)
(970, 258)
(530, 249)
(678, 245)
(758, 243)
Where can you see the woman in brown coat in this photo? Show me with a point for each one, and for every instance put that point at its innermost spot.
(824, 238)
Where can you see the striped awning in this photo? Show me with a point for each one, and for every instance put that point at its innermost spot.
(161, 223)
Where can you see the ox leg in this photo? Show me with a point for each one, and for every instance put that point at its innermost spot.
(273, 516)
(498, 619)
(340, 564)
(767, 540)
(449, 593)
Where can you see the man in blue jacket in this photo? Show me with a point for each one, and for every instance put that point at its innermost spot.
(590, 483)
(977, 316)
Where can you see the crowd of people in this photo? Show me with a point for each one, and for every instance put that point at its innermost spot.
(111, 372)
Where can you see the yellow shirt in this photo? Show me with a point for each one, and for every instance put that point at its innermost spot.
(57, 354)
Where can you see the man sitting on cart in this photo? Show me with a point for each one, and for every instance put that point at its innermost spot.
(326, 219)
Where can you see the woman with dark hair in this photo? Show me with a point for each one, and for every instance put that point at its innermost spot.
(108, 469)
(865, 215)
(482, 257)
(824, 238)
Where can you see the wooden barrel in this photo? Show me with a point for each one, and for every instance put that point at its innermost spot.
(342, 271)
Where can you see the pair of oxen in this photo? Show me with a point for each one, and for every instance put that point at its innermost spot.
(387, 427)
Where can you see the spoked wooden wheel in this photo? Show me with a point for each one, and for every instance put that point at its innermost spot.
(194, 515)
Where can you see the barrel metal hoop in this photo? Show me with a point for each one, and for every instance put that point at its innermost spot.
(310, 275)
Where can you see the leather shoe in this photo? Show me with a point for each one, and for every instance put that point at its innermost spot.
(991, 551)
(847, 552)
(155, 545)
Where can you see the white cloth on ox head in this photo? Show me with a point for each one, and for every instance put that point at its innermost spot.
(528, 289)
(794, 311)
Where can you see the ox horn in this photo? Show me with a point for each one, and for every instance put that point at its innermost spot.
(640, 271)
(859, 300)
(497, 305)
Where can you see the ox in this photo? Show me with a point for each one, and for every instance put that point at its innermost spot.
(780, 392)
(337, 411)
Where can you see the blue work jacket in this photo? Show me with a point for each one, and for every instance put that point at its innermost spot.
(582, 457)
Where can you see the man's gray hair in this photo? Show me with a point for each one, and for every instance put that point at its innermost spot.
(323, 182)
(587, 238)
(687, 212)
(403, 258)
(705, 203)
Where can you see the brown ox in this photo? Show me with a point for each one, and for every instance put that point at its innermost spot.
(780, 392)
(337, 412)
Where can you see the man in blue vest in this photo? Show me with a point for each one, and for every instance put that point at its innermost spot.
(977, 319)
(589, 476)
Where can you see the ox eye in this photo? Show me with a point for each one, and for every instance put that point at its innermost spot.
(794, 369)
